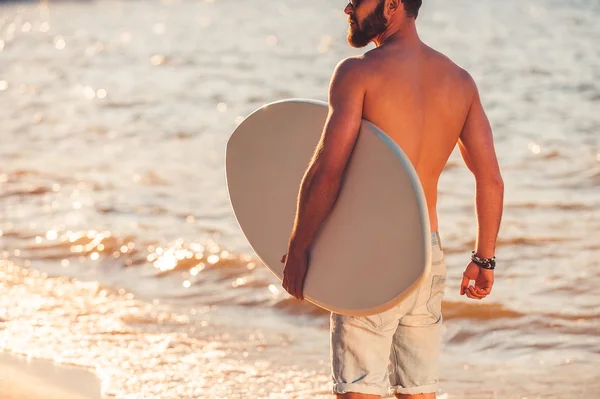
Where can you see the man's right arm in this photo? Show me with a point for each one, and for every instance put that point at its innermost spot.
(477, 148)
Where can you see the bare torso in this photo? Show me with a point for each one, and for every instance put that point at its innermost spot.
(419, 98)
(427, 104)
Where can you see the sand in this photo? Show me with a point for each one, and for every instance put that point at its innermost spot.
(21, 378)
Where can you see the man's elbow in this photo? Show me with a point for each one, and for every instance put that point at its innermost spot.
(326, 168)
(326, 175)
(329, 176)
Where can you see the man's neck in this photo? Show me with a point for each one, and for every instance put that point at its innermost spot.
(407, 35)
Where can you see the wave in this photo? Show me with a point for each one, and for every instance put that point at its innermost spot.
(29, 191)
(451, 310)
(531, 241)
(17, 175)
(206, 274)
(455, 245)
(295, 307)
(562, 206)
(478, 311)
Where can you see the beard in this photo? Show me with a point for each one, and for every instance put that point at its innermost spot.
(372, 26)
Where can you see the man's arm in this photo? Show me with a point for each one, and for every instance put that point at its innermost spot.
(321, 183)
(476, 145)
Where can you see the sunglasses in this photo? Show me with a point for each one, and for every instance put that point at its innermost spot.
(354, 3)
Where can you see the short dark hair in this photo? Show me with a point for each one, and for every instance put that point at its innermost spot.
(412, 7)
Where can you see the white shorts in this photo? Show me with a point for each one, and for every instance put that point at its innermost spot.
(397, 351)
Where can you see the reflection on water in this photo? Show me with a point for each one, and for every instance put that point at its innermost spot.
(119, 251)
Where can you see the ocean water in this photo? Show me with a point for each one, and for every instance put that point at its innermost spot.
(119, 251)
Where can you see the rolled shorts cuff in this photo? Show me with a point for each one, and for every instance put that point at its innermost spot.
(423, 389)
(365, 389)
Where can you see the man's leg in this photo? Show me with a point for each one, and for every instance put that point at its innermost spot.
(360, 351)
(416, 343)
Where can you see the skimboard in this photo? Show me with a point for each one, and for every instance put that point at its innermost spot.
(373, 249)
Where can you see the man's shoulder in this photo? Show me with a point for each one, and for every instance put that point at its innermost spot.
(350, 65)
(448, 64)
(350, 69)
(460, 77)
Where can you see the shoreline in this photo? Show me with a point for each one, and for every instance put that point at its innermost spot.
(23, 378)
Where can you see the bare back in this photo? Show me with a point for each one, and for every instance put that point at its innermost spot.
(421, 100)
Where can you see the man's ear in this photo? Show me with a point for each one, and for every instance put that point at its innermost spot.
(393, 6)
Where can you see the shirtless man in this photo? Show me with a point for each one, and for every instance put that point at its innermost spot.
(426, 104)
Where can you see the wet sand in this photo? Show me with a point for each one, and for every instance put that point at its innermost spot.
(21, 378)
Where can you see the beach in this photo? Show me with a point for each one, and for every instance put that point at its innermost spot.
(120, 256)
(39, 379)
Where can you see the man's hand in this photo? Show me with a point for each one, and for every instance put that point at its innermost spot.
(484, 280)
(294, 273)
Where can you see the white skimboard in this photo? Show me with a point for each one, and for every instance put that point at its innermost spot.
(374, 248)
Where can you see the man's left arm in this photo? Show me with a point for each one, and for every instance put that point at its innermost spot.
(321, 183)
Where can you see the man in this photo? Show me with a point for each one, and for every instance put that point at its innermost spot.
(426, 104)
